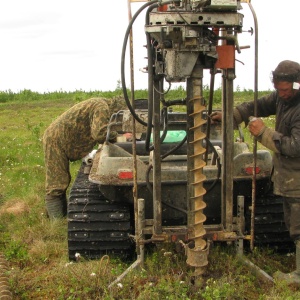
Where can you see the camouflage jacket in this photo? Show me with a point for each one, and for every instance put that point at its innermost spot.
(286, 138)
(80, 128)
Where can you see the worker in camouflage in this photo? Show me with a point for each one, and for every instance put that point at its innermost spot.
(71, 137)
(284, 141)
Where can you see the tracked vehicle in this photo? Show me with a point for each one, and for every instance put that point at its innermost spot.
(101, 203)
(180, 178)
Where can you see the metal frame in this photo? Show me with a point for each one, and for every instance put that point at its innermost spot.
(229, 229)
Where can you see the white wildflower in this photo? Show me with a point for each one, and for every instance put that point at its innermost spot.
(69, 263)
(120, 285)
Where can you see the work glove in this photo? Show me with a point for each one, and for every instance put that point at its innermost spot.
(113, 136)
(262, 133)
(256, 126)
(266, 139)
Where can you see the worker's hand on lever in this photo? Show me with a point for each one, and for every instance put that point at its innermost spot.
(256, 126)
(216, 117)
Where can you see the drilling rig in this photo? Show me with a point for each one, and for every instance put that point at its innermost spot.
(183, 39)
(195, 190)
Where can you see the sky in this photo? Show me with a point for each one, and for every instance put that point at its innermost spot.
(68, 45)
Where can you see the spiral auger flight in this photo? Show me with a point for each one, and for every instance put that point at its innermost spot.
(197, 256)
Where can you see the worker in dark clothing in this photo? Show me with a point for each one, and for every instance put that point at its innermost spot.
(71, 137)
(284, 141)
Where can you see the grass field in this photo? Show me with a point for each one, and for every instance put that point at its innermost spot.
(36, 248)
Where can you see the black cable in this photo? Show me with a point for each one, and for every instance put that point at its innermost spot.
(129, 27)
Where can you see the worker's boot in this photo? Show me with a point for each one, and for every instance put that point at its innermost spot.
(56, 206)
(293, 277)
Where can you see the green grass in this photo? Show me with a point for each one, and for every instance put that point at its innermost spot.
(36, 249)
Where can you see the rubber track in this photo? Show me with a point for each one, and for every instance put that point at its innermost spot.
(270, 229)
(96, 226)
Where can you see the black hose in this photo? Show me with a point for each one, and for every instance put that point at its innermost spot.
(164, 116)
(162, 157)
(175, 102)
(152, 4)
(150, 94)
(149, 186)
(174, 149)
(150, 167)
(150, 81)
(123, 61)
